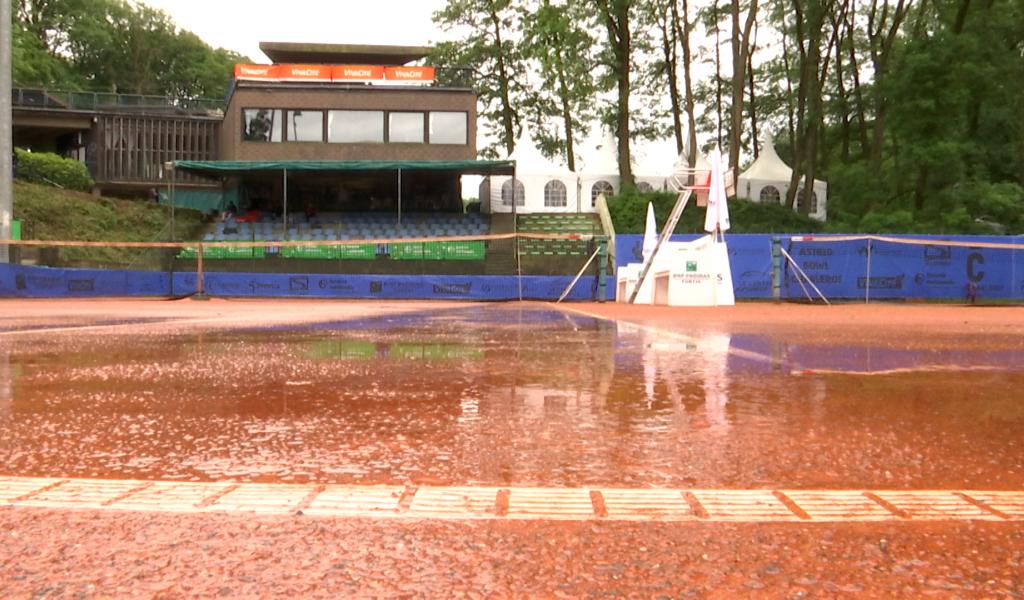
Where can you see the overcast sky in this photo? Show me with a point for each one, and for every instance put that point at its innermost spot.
(241, 25)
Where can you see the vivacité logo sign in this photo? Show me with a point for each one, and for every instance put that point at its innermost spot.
(339, 73)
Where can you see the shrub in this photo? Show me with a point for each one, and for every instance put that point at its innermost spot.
(629, 214)
(51, 169)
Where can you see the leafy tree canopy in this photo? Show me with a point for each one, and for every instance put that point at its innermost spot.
(114, 46)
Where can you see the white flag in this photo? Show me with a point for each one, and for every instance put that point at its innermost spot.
(718, 208)
(650, 232)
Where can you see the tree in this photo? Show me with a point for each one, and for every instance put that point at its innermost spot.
(114, 45)
(487, 47)
(813, 43)
(742, 45)
(560, 47)
(615, 16)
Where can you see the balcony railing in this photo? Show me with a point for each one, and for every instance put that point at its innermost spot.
(99, 101)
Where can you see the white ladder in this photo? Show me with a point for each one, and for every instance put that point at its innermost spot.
(666, 233)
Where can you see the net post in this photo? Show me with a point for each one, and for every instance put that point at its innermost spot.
(776, 268)
(602, 269)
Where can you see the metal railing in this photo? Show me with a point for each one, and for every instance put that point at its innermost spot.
(97, 101)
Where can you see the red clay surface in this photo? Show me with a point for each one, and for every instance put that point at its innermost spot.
(46, 553)
(758, 395)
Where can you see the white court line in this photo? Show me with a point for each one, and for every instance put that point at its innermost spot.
(463, 503)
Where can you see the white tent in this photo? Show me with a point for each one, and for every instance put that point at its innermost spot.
(600, 171)
(540, 185)
(767, 180)
(655, 163)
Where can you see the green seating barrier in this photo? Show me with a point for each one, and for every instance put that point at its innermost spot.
(463, 250)
(406, 251)
(346, 252)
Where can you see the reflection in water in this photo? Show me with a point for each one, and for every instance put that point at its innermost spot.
(494, 394)
(677, 361)
(6, 376)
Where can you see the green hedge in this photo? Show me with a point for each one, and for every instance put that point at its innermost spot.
(629, 214)
(50, 169)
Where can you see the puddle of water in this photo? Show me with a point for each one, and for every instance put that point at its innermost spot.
(502, 395)
(23, 326)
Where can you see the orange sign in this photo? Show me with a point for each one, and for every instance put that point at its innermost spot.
(340, 73)
(304, 72)
(357, 73)
(256, 72)
(417, 74)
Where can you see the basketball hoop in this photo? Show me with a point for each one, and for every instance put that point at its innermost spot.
(699, 182)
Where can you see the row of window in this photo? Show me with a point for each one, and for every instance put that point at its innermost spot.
(771, 194)
(555, 195)
(355, 126)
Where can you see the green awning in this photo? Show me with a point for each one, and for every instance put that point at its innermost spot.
(213, 168)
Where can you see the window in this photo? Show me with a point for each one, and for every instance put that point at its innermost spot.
(800, 201)
(448, 128)
(601, 187)
(644, 188)
(554, 194)
(506, 193)
(484, 193)
(355, 126)
(770, 194)
(261, 125)
(305, 125)
(405, 127)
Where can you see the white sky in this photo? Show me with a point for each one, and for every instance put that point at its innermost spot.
(241, 25)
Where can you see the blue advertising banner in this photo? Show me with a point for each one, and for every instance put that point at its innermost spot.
(841, 269)
(886, 270)
(18, 281)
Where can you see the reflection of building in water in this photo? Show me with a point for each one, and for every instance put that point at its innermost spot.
(675, 363)
(705, 358)
(565, 363)
(539, 402)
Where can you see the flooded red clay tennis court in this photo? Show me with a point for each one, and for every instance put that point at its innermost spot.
(522, 395)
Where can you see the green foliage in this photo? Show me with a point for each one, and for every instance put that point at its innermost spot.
(629, 214)
(51, 169)
(951, 158)
(1000, 203)
(114, 46)
(33, 65)
(557, 42)
(896, 221)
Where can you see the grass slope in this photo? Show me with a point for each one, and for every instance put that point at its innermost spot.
(49, 213)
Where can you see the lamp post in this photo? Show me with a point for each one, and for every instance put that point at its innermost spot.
(169, 174)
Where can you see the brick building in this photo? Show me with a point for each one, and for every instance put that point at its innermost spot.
(314, 103)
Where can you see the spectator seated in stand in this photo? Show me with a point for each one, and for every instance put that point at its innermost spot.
(230, 221)
(250, 216)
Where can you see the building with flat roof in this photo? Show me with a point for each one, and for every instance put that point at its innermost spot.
(313, 102)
